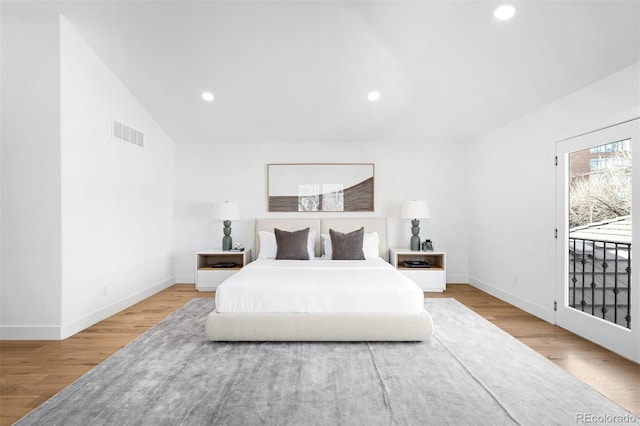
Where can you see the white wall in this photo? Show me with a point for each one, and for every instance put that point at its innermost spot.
(30, 289)
(117, 198)
(87, 220)
(512, 190)
(238, 172)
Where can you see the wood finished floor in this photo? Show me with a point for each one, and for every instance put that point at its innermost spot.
(33, 371)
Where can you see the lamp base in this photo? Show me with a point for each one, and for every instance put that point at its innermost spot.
(226, 243)
(415, 243)
(226, 240)
(415, 231)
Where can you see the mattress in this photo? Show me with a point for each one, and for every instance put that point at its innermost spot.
(319, 286)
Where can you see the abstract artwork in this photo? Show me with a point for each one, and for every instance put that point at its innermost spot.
(326, 187)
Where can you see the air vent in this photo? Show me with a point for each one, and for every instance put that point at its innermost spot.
(127, 133)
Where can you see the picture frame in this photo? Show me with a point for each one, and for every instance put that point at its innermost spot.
(321, 187)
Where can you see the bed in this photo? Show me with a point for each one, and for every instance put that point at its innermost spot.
(319, 299)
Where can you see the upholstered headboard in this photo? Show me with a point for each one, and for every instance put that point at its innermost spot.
(371, 224)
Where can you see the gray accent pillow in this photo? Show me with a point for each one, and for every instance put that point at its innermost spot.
(292, 245)
(347, 246)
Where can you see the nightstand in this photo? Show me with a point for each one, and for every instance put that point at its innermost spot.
(214, 266)
(433, 278)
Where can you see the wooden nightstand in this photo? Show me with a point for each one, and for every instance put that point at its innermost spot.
(212, 268)
(433, 278)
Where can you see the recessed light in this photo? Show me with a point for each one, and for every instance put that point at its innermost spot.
(373, 96)
(504, 12)
(208, 96)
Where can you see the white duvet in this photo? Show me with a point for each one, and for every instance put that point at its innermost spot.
(316, 286)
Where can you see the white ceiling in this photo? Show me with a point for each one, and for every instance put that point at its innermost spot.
(300, 71)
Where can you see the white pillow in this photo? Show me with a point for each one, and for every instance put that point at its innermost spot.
(269, 246)
(370, 244)
(326, 246)
(311, 244)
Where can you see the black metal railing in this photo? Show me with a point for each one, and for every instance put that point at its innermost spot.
(600, 279)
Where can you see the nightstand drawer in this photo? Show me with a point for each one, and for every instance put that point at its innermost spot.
(215, 266)
(427, 279)
(431, 278)
(210, 279)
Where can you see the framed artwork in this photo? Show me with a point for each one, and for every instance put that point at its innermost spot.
(321, 187)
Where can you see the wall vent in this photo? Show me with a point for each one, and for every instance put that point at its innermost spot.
(127, 133)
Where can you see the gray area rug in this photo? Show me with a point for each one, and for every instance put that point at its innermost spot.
(470, 373)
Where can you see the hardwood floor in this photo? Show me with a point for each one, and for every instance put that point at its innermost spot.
(33, 371)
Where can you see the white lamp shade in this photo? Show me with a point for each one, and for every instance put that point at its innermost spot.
(415, 210)
(227, 210)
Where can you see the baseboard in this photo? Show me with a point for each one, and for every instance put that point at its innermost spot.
(533, 309)
(71, 328)
(185, 279)
(29, 332)
(457, 279)
(52, 332)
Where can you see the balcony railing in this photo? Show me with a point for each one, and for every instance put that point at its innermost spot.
(600, 279)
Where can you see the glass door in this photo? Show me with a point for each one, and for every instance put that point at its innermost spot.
(597, 186)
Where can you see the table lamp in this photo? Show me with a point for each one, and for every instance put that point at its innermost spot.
(226, 212)
(415, 210)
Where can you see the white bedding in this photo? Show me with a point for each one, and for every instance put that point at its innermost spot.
(319, 286)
